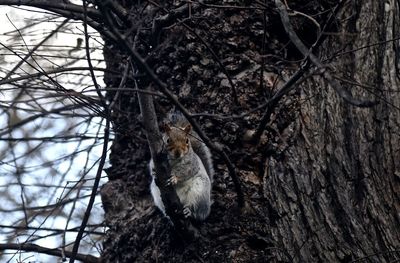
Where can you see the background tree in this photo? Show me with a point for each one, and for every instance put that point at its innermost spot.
(301, 99)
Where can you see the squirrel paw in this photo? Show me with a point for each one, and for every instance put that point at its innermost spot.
(186, 212)
(173, 180)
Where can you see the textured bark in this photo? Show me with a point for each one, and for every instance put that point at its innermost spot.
(336, 193)
(323, 183)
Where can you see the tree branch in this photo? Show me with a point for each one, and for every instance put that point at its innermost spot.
(75, 229)
(53, 71)
(141, 63)
(173, 206)
(120, 11)
(289, 85)
(345, 94)
(52, 33)
(79, 16)
(105, 146)
(171, 17)
(271, 103)
(49, 251)
(9, 129)
(67, 10)
(51, 4)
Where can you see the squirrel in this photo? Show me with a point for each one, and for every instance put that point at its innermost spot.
(191, 169)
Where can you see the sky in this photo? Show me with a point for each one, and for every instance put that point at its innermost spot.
(34, 173)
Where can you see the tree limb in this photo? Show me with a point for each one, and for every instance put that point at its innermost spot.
(120, 11)
(289, 85)
(142, 64)
(104, 153)
(271, 103)
(51, 4)
(345, 94)
(49, 251)
(173, 206)
(52, 33)
(53, 71)
(169, 197)
(170, 18)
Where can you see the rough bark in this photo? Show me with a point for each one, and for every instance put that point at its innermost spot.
(323, 183)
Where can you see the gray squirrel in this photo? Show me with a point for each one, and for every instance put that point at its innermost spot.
(191, 169)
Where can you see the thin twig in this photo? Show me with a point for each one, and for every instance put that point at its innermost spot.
(78, 100)
(71, 212)
(34, 117)
(19, 64)
(49, 251)
(271, 103)
(79, 16)
(75, 229)
(44, 208)
(121, 85)
(233, 7)
(61, 5)
(170, 18)
(219, 62)
(53, 71)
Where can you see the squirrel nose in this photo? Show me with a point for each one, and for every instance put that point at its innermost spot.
(177, 154)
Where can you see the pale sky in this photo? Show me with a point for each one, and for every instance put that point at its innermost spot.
(48, 127)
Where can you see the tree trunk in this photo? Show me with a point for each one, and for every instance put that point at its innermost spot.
(323, 183)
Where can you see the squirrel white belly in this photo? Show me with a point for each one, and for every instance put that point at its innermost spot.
(191, 170)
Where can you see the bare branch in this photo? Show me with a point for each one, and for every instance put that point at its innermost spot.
(120, 11)
(61, 5)
(172, 16)
(75, 229)
(78, 98)
(141, 63)
(53, 71)
(79, 16)
(34, 49)
(345, 94)
(45, 208)
(103, 155)
(162, 168)
(169, 196)
(49, 251)
(271, 103)
(34, 117)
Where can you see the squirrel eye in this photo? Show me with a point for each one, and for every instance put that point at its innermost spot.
(187, 141)
(168, 140)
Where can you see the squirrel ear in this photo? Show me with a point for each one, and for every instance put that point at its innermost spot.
(165, 127)
(187, 129)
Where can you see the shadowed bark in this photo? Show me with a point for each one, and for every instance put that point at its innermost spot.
(322, 185)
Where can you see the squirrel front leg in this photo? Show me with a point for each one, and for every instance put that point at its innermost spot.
(179, 175)
(173, 180)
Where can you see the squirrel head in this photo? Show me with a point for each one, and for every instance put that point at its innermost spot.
(177, 139)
